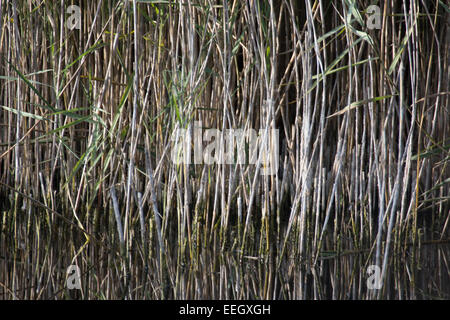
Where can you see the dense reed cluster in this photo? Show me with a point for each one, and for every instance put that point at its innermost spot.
(87, 118)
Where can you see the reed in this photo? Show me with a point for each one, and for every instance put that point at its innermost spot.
(87, 118)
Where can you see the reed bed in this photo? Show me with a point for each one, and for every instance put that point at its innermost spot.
(87, 118)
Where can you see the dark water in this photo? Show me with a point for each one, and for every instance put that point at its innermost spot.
(344, 277)
(35, 253)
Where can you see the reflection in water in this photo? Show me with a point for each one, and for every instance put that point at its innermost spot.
(226, 276)
(33, 266)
